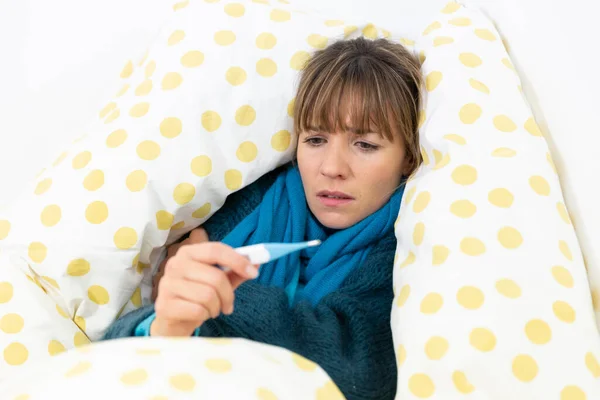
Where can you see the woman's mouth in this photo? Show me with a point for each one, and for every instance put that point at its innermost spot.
(334, 199)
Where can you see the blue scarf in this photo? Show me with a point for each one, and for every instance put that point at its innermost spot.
(284, 216)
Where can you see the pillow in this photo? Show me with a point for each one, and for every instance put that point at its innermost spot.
(207, 111)
(491, 293)
(137, 368)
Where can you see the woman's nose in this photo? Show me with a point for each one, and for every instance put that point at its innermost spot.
(334, 164)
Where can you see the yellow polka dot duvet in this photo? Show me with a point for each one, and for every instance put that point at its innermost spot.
(492, 297)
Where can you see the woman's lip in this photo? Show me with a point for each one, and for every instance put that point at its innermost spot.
(333, 202)
(335, 194)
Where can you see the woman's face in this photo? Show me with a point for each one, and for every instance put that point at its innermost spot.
(347, 176)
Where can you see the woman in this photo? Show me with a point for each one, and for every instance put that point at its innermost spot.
(356, 116)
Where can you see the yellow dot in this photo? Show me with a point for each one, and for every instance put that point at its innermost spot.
(81, 160)
(508, 64)
(563, 311)
(164, 220)
(504, 123)
(349, 30)
(480, 86)
(15, 354)
(80, 322)
(329, 391)
(127, 70)
(418, 233)
(201, 166)
(432, 27)
(245, 115)
(508, 288)
(552, 165)
(265, 394)
(592, 365)
(136, 181)
(472, 246)
(485, 34)
(62, 312)
(317, 41)
(233, 179)
(409, 195)
(470, 297)
(281, 140)
(460, 21)
(235, 76)
(266, 41)
(425, 156)
(181, 5)
(410, 258)
(11, 323)
(469, 113)
(334, 22)
(116, 138)
(303, 363)
(139, 110)
(387, 34)
(96, 212)
(436, 348)
(538, 331)
(78, 267)
(4, 229)
(422, 118)
(123, 90)
(401, 354)
(370, 31)
(504, 152)
(532, 127)
(572, 393)
(432, 80)
(299, 60)
(403, 295)
(134, 377)
(94, 180)
(524, 368)
(202, 211)
(405, 41)
(171, 127)
(562, 276)
(182, 382)
(60, 159)
(266, 67)
(176, 37)
(148, 150)
(278, 15)
(192, 59)
(470, 60)
(482, 339)
(247, 152)
(461, 382)
(421, 386)
(565, 250)
(80, 368)
(562, 211)
(171, 81)
(501, 198)
(211, 121)
(224, 38)
(144, 88)
(450, 8)
(136, 297)
(150, 68)
(37, 252)
(55, 347)
(463, 208)
(50, 281)
(125, 238)
(235, 10)
(51, 215)
(421, 202)
(6, 292)
(431, 303)
(464, 175)
(98, 294)
(184, 193)
(442, 40)
(510, 237)
(539, 185)
(439, 254)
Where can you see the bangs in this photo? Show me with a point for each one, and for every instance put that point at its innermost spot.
(348, 97)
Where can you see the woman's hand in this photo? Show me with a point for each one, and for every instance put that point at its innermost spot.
(193, 289)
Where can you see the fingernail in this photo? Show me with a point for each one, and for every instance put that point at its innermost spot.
(251, 271)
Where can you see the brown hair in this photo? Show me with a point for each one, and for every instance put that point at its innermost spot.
(383, 80)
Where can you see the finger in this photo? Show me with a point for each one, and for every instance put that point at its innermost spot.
(176, 309)
(216, 253)
(198, 293)
(198, 235)
(236, 280)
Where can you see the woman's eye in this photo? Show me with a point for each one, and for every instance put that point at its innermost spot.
(366, 146)
(314, 141)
